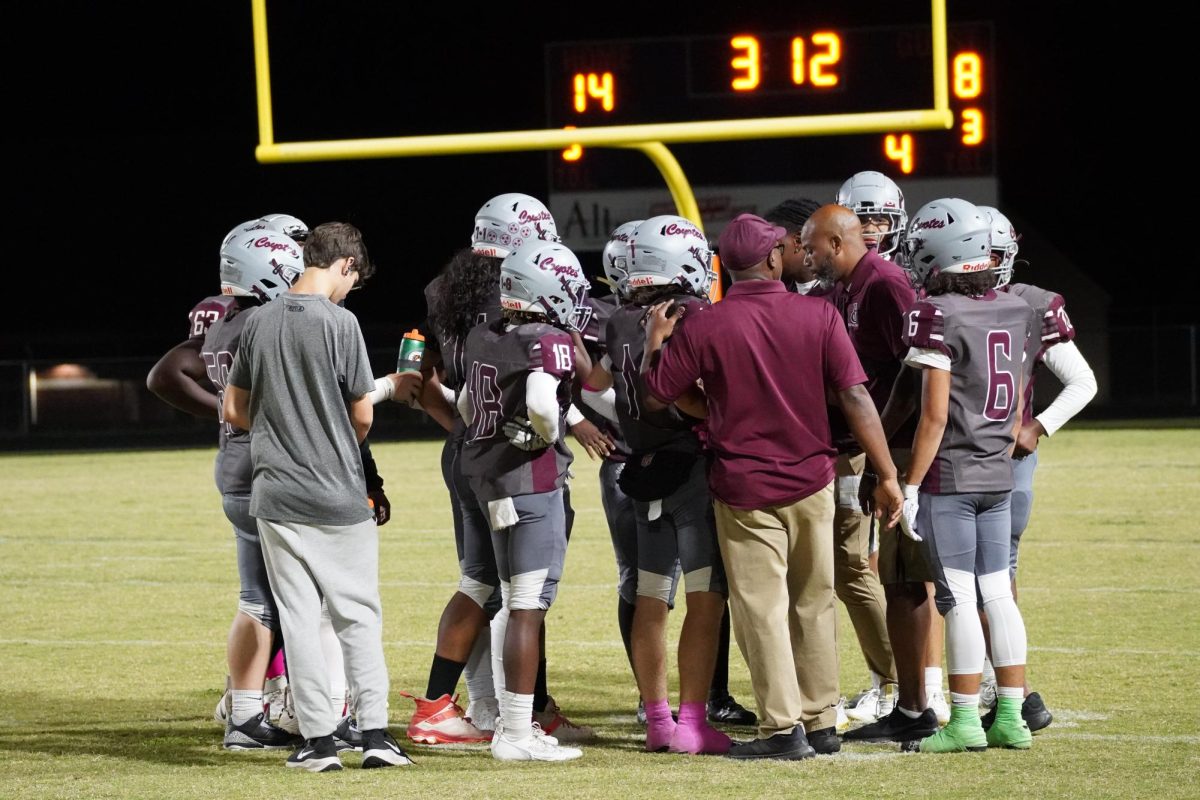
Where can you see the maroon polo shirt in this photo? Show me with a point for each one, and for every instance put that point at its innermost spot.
(766, 357)
(874, 305)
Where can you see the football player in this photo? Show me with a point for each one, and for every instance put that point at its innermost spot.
(467, 293)
(520, 367)
(1059, 354)
(879, 204)
(798, 274)
(668, 260)
(970, 342)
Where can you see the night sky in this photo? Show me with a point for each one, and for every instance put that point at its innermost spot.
(126, 174)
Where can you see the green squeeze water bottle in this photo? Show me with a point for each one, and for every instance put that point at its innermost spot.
(412, 347)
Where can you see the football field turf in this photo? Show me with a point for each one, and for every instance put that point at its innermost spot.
(118, 582)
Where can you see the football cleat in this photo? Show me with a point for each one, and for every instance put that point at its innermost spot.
(962, 734)
(730, 712)
(895, 727)
(1008, 729)
(347, 736)
(987, 694)
(874, 704)
(442, 721)
(256, 734)
(483, 713)
(316, 755)
(1033, 711)
(534, 747)
(381, 750)
(555, 724)
(288, 720)
(273, 691)
(937, 702)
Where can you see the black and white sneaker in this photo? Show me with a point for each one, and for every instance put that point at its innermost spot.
(256, 734)
(381, 750)
(347, 736)
(316, 755)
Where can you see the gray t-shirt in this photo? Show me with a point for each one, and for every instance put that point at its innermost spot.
(303, 360)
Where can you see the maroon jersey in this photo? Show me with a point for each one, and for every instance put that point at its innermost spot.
(439, 340)
(986, 340)
(498, 362)
(1056, 327)
(646, 430)
(208, 311)
(234, 467)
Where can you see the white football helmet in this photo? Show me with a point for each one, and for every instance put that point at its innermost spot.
(260, 264)
(509, 220)
(873, 194)
(1004, 244)
(546, 278)
(948, 235)
(616, 256)
(668, 250)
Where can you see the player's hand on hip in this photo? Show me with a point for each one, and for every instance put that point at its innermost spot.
(381, 505)
(1027, 439)
(521, 435)
(595, 441)
(908, 515)
(408, 386)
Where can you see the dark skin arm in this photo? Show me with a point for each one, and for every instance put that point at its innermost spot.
(860, 413)
(659, 327)
(180, 380)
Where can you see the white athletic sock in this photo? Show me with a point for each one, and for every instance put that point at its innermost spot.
(247, 703)
(1014, 692)
(499, 631)
(517, 715)
(335, 665)
(933, 678)
(968, 700)
(909, 714)
(478, 672)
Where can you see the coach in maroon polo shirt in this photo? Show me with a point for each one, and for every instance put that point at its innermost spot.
(765, 358)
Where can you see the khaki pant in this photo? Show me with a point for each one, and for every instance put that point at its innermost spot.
(856, 585)
(779, 564)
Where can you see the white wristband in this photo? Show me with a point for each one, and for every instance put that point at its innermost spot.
(384, 390)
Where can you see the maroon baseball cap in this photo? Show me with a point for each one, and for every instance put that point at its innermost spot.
(747, 241)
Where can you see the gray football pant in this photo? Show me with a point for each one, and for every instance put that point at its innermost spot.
(968, 532)
(341, 564)
(1022, 504)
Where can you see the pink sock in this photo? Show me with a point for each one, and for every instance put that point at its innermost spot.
(694, 734)
(659, 725)
(277, 667)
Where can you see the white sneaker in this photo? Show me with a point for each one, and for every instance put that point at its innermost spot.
(987, 694)
(221, 713)
(867, 707)
(273, 697)
(843, 721)
(887, 699)
(288, 720)
(534, 747)
(937, 702)
(556, 724)
(483, 713)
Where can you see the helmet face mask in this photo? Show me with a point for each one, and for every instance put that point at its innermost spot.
(260, 264)
(874, 195)
(546, 278)
(1004, 244)
(667, 250)
(948, 235)
(615, 257)
(509, 220)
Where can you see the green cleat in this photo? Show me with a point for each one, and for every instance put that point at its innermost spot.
(964, 732)
(1009, 729)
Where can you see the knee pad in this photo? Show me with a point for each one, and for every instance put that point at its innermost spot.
(479, 593)
(650, 584)
(531, 591)
(1009, 644)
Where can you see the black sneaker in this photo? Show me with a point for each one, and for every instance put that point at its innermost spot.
(257, 734)
(825, 741)
(895, 727)
(1033, 711)
(381, 750)
(730, 712)
(347, 736)
(316, 755)
(782, 747)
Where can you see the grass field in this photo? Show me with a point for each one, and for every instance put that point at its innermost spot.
(118, 581)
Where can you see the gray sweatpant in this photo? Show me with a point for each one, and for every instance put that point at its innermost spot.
(341, 564)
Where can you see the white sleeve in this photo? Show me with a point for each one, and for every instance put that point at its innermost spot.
(448, 393)
(574, 416)
(1079, 385)
(464, 406)
(605, 402)
(541, 400)
(920, 357)
(607, 363)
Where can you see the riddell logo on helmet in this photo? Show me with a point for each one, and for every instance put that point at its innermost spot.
(273, 246)
(926, 224)
(641, 280)
(679, 230)
(977, 266)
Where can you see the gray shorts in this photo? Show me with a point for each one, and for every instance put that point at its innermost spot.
(537, 544)
(682, 538)
(969, 532)
(1022, 503)
(255, 591)
(472, 534)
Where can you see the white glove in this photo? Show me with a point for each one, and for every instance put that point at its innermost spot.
(908, 516)
(521, 435)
